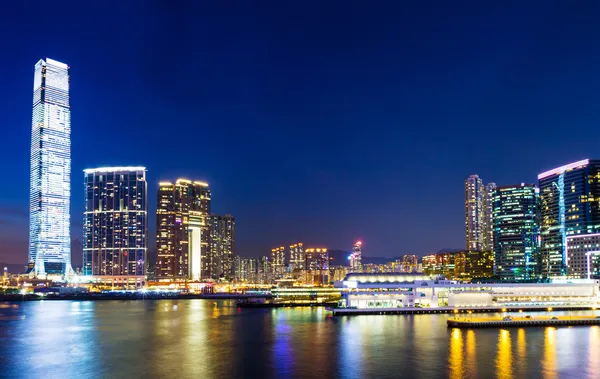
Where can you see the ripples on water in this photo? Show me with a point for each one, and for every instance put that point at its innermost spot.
(208, 339)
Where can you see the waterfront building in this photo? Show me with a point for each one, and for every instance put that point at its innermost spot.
(222, 242)
(516, 231)
(278, 262)
(50, 175)
(317, 266)
(356, 257)
(115, 228)
(568, 206)
(478, 264)
(409, 263)
(174, 233)
(583, 256)
(264, 270)
(379, 291)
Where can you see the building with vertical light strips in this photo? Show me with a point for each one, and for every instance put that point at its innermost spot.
(115, 227)
(278, 262)
(50, 185)
(183, 249)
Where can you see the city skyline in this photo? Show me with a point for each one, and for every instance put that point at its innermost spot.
(393, 121)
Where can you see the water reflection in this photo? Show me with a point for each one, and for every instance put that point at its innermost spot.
(196, 338)
(455, 358)
(549, 361)
(504, 369)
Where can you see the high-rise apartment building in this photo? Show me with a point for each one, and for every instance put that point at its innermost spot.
(115, 227)
(222, 242)
(278, 262)
(478, 214)
(183, 248)
(356, 257)
(569, 205)
(50, 181)
(516, 231)
(317, 266)
(297, 260)
(245, 269)
(263, 270)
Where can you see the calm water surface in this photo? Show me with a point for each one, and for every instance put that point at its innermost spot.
(208, 339)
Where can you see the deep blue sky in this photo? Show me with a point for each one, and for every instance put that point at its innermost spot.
(315, 122)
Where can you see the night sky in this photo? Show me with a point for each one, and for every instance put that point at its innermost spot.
(313, 122)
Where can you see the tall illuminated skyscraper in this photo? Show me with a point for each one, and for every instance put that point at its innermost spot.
(182, 231)
(478, 214)
(50, 186)
(569, 205)
(356, 257)
(278, 262)
(516, 231)
(115, 226)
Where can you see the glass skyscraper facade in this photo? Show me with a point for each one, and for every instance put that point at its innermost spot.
(174, 231)
(50, 185)
(115, 227)
(516, 232)
(569, 205)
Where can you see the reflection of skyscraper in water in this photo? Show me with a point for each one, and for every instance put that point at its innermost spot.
(50, 186)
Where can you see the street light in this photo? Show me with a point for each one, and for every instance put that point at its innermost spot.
(471, 315)
(455, 313)
(521, 313)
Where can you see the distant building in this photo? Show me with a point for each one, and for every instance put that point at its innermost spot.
(183, 250)
(278, 262)
(222, 242)
(478, 215)
(264, 275)
(568, 206)
(459, 265)
(245, 269)
(115, 226)
(356, 257)
(409, 263)
(516, 231)
(317, 266)
(583, 256)
(297, 260)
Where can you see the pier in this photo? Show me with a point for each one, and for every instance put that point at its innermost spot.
(522, 322)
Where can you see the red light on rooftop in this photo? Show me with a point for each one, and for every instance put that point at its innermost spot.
(358, 243)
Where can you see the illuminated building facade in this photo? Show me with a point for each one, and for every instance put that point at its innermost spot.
(297, 261)
(583, 256)
(50, 181)
(278, 262)
(478, 214)
(173, 231)
(245, 269)
(317, 266)
(263, 270)
(516, 231)
(409, 263)
(222, 241)
(569, 205)
(356, 257)
(115, 228)
(460, 265)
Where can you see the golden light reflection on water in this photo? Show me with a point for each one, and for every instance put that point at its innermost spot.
(594, 352)
(521, 353)
(471, 355)
(549, 360)
(456, 359)
(504, 362)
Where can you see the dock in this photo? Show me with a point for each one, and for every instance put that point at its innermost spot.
(522, 322)
(453, 310)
